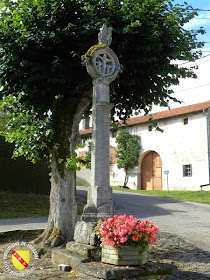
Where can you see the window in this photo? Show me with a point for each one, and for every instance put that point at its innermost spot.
(87, 123)
(83, 140)
(150, 127)
(185, 121)
(187, 170)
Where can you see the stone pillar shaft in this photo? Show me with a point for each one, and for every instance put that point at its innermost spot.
(100, 191)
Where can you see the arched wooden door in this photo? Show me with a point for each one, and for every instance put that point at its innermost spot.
(151, 172)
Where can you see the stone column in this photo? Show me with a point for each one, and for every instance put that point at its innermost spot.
(103, 66)
(100, 193)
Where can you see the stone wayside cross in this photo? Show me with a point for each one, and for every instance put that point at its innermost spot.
(103, 66)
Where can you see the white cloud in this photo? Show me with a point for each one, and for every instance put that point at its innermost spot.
(203, 19)
(192, 91)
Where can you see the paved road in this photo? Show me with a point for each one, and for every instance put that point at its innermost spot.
(23, 224)
(190, 221)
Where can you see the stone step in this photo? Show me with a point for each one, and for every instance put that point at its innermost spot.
(62, 256)
(96, 270)
(87, 251)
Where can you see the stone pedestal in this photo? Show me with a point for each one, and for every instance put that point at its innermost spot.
(84, 233)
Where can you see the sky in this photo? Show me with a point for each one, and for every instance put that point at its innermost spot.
(191, 91)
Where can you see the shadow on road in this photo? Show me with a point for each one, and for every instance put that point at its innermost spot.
(138, 205)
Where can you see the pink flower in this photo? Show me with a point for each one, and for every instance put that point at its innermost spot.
(135, 238)
(102, 232)
(143, 223)
(109, 234)
(123, 217)
(111, 243)
(116, 232)
(123, 239)
(156, 229)
(148, 229)
(109, 220)
(126, 230)
(123, 231)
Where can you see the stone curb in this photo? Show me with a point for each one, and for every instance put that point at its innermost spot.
(95, 270)
(109, 273)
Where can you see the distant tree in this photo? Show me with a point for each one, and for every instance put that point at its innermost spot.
(86, 161)
(45, 89)
(128, 150)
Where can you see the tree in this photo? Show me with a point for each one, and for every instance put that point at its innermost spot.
(127, 154)
(45, 90)
(87, 163)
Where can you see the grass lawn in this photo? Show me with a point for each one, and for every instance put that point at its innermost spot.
(21, 205)
(194, 196)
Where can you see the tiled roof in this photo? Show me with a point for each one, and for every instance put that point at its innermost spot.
(162, 115)
(85, 131)
(170, 113)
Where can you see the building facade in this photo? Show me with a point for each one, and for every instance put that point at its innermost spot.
(174, 151)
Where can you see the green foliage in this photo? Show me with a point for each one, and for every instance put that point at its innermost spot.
(41, 46)
(155, 125)
(72, 162)
(128, 150)
(30, 131)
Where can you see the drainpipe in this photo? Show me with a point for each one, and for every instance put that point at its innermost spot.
(208, 137)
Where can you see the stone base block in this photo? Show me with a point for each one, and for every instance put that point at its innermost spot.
(105, 211)
(91, 252)
(84, 233)
(89, 214)
(61, 256)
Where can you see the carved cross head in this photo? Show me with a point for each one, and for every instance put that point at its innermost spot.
(105, 35)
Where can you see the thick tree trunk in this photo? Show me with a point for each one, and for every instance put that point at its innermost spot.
(63, 208)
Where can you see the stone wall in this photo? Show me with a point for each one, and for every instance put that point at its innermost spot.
(83, 176)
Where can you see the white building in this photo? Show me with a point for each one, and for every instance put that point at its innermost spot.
(181, 150)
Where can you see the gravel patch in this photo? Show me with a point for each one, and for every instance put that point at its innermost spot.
(191, 262)
(187, 261)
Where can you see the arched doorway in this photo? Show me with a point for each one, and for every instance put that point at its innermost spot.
(151, 172)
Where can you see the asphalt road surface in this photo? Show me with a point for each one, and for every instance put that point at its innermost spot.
(23, 224)
(190, 221)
